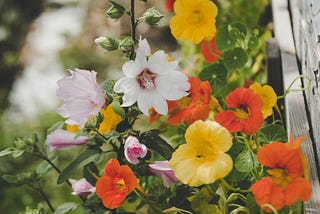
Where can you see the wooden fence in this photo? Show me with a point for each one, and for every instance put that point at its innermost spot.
(292, 53)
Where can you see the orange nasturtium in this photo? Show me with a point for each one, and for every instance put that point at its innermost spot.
(247, 114)
(115, 184)
(288, 181)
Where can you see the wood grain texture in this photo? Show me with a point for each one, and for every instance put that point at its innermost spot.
(298, 114)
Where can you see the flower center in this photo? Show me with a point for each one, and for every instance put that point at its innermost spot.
(280, 176)
(196, 17)
(121, 185)
(146, 79)
(241, 115)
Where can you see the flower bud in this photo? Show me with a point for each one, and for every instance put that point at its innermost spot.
(133, 150)
(126, 44)
(152, 16)
(107, 43)
(115, 11)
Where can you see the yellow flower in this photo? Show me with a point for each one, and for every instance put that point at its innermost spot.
(202, 160)
(110, 120)
(194, 20)
(268, 96)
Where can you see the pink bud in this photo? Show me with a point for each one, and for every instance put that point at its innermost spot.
(162, 170)
(133, 150)
(62, 139)
(81, 187)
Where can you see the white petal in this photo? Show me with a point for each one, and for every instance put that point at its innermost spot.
(144, 102)
(133, 68)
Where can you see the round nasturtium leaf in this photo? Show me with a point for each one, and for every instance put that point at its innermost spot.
(235, 59)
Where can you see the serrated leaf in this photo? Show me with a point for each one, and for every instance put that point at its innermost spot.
(107, 86)
(216, 74)
(7, 151)
(235, 59)
(246, 161)
(82, 160)
(272, 132)
(153, 141)
(223, 40)
(66, 207)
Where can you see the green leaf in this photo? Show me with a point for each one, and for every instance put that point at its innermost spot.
(241, 28)
(246, 161)
(66, 207)
(153, 141)
(107, 86)
(272, 132)
(235, 59)
(82, 160)
(21, 178)
(253, 42)
(7, 151)
(216, 74)
(43, 168)
(223, 40)
(236, 176)
(251, 204)
(57, 125)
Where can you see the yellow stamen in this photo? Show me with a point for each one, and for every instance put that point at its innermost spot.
(280, 176)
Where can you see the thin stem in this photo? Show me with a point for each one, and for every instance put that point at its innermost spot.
(46, 199)
(225, 183)
(133, 27)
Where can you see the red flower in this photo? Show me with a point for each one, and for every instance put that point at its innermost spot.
(209, 51)
(189, 109)
(169, 5)
(247, 116)
(116, 183)
(288, 177)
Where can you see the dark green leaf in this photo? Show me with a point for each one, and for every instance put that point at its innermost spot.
(246, 161)
(272, 132)
(216, 74)
(153, 141)
(82, 160)
(251, 204)
(253, 42)
(235, 59)
(223, 40)
(236, 176)
(241, 28)
(66, 207)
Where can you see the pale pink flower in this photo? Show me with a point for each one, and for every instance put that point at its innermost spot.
(62, 139)
(82, 96)
(81, 187)
(151, 82)
(144, 46)
(133, 150)
(163, 170)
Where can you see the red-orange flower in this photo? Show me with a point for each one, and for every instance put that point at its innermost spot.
(192, 108)
(116, 183)
(288, 181)
(247, 116)
(209, 51)
(169, 5)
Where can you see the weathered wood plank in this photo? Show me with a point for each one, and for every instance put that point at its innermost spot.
(296, 109)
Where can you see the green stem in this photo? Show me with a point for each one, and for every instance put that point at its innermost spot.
(226, 184)
(133, 28)
(291, 84)
(46, 199)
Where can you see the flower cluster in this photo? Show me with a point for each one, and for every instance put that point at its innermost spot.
(167, 138)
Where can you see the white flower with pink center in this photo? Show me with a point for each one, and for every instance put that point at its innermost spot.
(133, 150)
(81, 187)
(151, 82)
(163, 170)
(82, 95)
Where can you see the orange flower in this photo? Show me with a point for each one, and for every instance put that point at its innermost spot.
(247, 116)
(169, 5)
(288, 181)
(116, 183)
(209, 51)
(192, 108)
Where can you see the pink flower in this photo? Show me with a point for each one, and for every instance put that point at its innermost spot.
(62, 139)
(81, 187)
(82, 96)
(162, 170)
(133, 150)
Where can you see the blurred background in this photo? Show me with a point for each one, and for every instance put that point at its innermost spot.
(39, 41)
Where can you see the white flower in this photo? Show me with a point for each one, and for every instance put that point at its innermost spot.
(82, 96)
(144, 46)
(151, 82)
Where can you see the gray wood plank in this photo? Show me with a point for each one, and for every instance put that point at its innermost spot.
(296, 109)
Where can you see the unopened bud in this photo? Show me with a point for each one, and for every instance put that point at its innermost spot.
(126, 44)
(152, 16)
(107, 43)
(115, 11)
